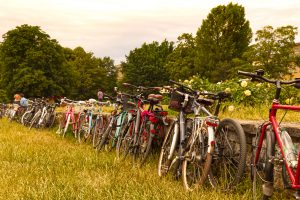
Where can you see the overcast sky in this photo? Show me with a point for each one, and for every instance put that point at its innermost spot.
(114, 27)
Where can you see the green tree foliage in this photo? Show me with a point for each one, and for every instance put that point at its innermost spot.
(181, 62)
(274, 50)
(111, 74)
(145, 65)
(89, 73)
(31, 62)
(221, 40)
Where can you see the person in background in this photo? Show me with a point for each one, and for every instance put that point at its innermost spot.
(100, 95)
(17, 98)
(23, 101)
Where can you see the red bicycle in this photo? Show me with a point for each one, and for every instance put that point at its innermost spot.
(265, 155)
(70, 117)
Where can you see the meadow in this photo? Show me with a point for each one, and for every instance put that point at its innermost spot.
(39, 164)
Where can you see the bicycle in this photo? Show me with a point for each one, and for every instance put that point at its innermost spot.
(265, 155)
(88, 122)
(154, 120)
(44, 116)
(195, 147)
(70, 117)
(173, 147)
(129, 142)
(116, 122)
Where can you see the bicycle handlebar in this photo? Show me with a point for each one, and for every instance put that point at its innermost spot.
(181, 85)
(141, 87)
(259, 75)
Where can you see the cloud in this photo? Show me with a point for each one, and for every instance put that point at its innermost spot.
(114, 27)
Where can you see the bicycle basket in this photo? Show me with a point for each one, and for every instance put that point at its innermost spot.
(176, 101)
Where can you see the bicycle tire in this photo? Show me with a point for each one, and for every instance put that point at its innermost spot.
(12, 115)
(82, 129)
(43, 121)
(163, 162)
(197, 162)
(120, 138)
(124, 143)
(26, 118)
(230, 155)
(96, 131)
(51, 120)
(61, 122)
(145, 145)
(263, 172)
(35, 119)
(105, 137)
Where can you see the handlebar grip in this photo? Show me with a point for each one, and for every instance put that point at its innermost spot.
(246, 73)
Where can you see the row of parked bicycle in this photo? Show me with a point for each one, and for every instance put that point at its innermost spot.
(194, 146)
(38, 114)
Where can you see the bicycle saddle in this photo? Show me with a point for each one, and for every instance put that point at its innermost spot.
(154, 98)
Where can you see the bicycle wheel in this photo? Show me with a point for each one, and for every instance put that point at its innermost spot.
(42, 122)
(97, 131)
(229, 159)
(125, 141)
(51, 120)
(145, 142)
(165, 159)
(106, 137)
(26, 118)
(83, 131)
(12, 115)
(262, 174)
(61, 123)
(35, 119)
(197, 162)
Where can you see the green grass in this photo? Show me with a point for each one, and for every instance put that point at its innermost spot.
(258, 113)
(36, 164)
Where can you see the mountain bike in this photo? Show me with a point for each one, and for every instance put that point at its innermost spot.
(265, 155)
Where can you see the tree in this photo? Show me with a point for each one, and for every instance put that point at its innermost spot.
(145, 65)
(90, 73)
(111, 74)
(181, 62)
(223, 36)
(274, 50)
(32, 63)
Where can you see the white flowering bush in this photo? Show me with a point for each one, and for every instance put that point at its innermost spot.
(245, 92)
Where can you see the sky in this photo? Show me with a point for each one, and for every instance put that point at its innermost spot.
(114, 27)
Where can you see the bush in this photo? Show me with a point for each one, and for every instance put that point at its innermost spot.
(247, 93)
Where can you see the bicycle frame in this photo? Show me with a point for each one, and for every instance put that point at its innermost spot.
(293, 175)
(70, 117)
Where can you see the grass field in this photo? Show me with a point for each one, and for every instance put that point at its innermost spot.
(38, 164)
